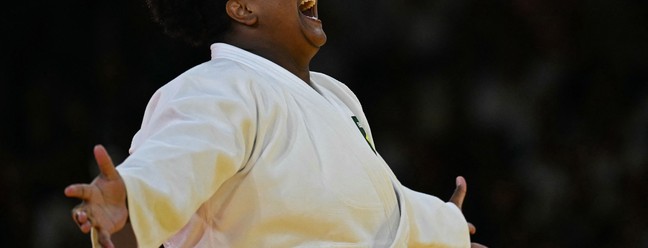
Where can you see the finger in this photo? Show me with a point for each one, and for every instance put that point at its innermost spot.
(80, 216)
(81, 191)
(460, 192)
(104, 239)
(86, 227)
(471, 228)
(106, 166)
(476, 245)
(81, 219)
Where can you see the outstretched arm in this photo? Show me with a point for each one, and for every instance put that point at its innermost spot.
(457, 198)
(104, 200)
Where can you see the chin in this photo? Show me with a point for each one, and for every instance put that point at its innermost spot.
(317, 39)
(320, 42)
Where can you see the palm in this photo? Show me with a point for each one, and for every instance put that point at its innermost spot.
(104, 200)
(107, 203)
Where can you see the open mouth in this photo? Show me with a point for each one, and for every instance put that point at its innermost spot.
(309, 8)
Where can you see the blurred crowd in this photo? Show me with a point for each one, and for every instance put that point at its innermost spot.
(541, 104)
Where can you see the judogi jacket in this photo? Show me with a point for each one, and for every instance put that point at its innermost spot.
(239, 152)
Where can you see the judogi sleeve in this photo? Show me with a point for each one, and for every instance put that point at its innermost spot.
(434, 223)
(196, 134)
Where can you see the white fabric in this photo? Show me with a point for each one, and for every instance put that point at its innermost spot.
(239, 152)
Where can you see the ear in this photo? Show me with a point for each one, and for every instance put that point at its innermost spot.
(239, 12)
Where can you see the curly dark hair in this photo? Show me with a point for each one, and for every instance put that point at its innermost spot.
(198, 22)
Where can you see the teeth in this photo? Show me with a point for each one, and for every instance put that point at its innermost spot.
(306, 4)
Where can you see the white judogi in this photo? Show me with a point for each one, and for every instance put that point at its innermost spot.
(239, 152)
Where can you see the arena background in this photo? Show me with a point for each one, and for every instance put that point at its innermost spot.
(541, 104)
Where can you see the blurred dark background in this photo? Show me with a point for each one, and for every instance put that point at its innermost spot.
(541, 104)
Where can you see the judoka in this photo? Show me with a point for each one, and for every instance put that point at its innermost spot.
(252, 149)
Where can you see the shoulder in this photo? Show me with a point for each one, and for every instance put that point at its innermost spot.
(214, 73)
(215, 84)
(211, 78)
